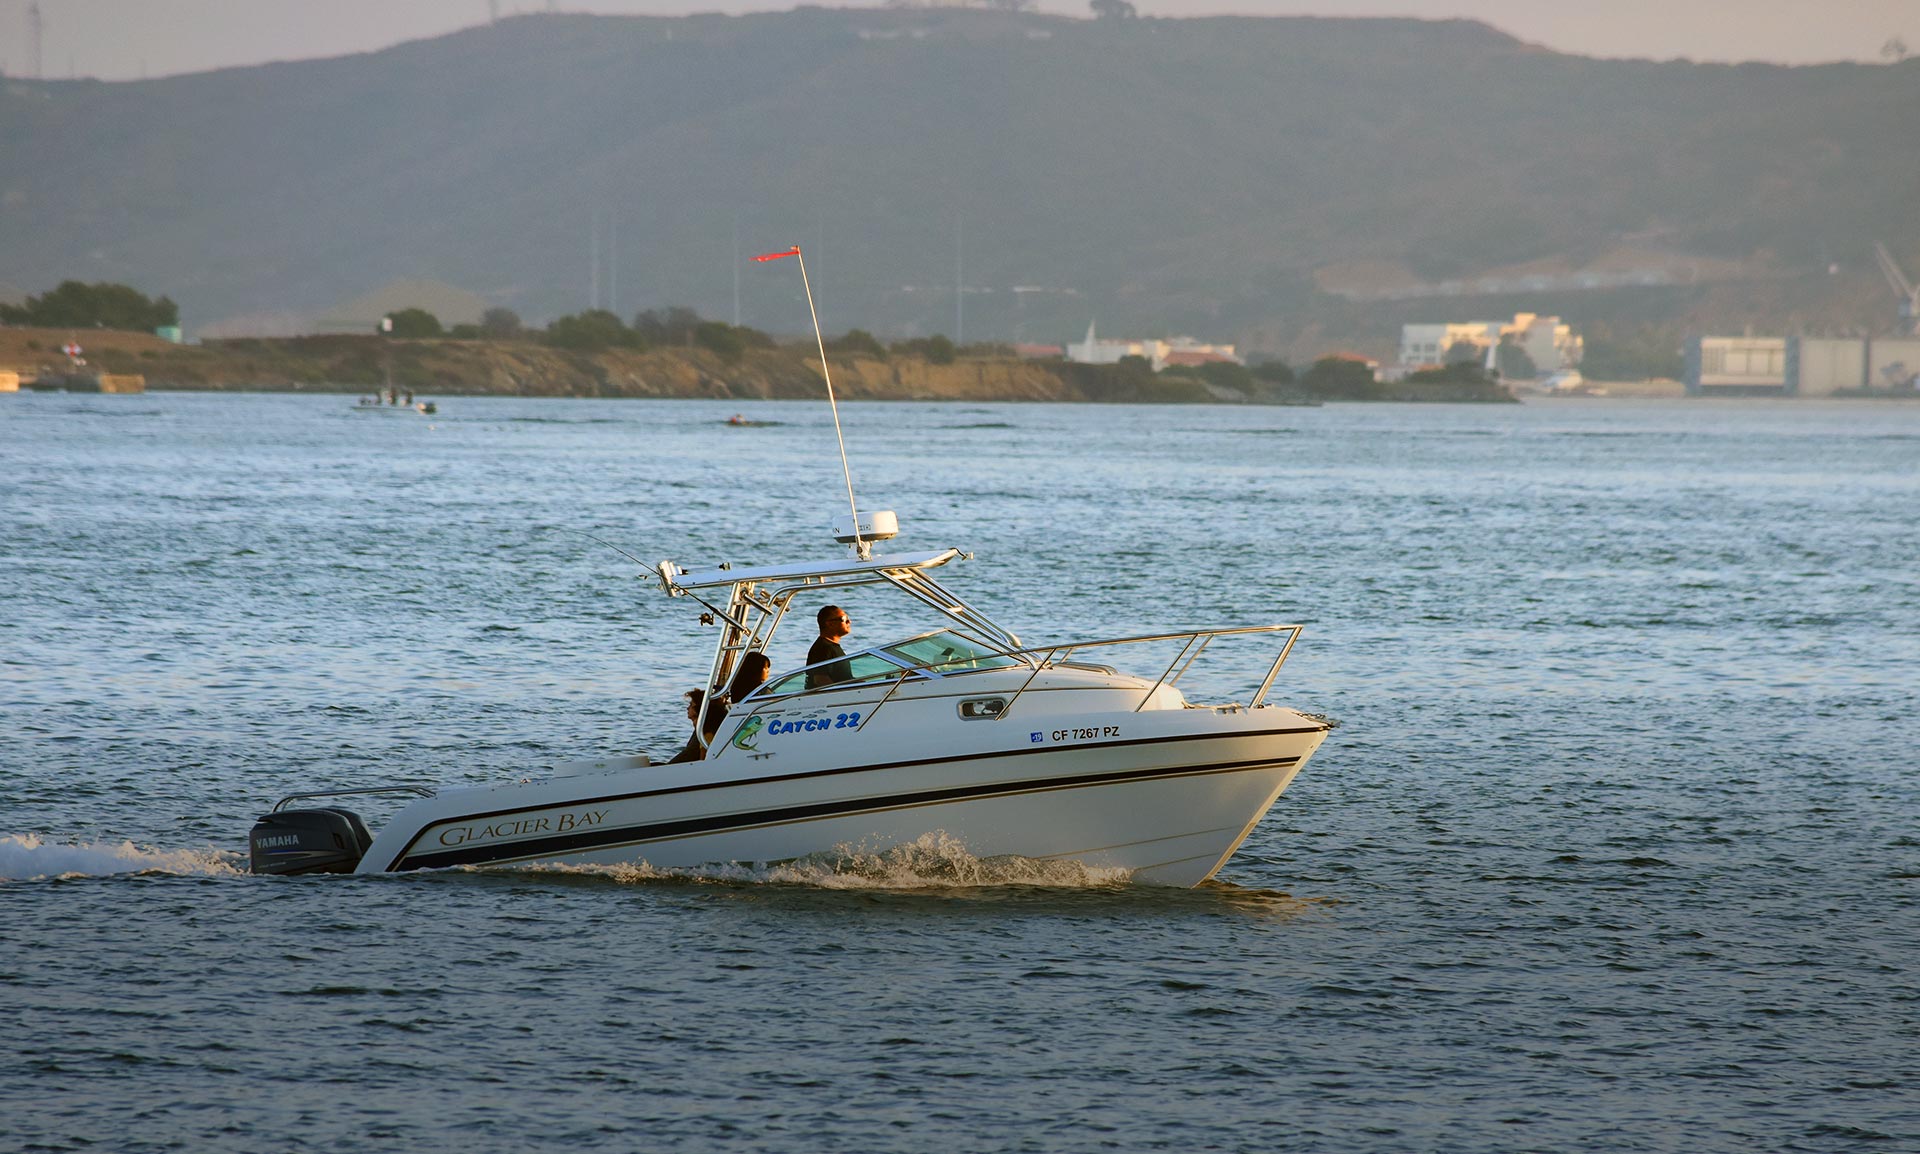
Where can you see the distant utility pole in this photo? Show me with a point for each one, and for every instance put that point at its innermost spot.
(593, 258)
(33, 39)
(736, 269)
(959, 289)
(613, 261)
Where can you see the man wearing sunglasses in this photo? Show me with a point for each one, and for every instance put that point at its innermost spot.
(834, 625)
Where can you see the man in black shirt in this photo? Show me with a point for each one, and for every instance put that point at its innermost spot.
(834, 624)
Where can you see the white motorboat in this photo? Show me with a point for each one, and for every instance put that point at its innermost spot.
(1037, 753)
(960, 731)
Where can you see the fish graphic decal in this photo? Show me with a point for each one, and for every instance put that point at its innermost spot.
(750, 729)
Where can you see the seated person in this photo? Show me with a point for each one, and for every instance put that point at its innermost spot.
(834, 625)
(694, 751)
(753, 671)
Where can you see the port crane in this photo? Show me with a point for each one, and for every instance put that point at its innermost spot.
(1903, 288)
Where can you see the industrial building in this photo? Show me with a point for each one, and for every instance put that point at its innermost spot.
(1802, 366)
(1736, 366)
(1818, 367)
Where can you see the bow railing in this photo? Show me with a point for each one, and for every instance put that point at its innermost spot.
(1195, 642)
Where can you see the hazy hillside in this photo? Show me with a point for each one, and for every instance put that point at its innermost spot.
(1278, 181)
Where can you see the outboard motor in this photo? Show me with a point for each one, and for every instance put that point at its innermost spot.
(308, 841)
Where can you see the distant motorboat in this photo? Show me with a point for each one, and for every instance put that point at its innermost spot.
(80, 377)
(1568, 383)
(394, 403)
(1041, 752)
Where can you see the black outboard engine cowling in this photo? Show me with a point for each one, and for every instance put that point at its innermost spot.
(308, 841)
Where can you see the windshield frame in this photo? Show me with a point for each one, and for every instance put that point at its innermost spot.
(975, 650)
(904, 667)
(768, 690)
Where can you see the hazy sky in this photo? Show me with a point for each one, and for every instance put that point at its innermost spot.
(127, 39)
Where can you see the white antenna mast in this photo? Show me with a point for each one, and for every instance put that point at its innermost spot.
(860, 544)
(34, 31)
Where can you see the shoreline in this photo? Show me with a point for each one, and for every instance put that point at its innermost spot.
(441, 367)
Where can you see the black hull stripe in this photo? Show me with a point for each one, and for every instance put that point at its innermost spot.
(546, 847)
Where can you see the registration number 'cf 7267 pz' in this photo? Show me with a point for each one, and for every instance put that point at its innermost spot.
(1086, 734)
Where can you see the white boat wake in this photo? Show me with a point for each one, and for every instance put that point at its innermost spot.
(29, 857)
(933, 861)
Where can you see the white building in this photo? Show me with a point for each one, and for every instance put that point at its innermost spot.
(1736, 366)
(1158, 353)
(1825, 366)
(1550, 343)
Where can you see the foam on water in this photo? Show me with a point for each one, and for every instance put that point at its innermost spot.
(934, 861)
(27, 856)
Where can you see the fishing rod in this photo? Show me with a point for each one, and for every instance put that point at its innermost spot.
(722, 614)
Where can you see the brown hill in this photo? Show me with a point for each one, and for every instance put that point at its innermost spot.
(1253, 180)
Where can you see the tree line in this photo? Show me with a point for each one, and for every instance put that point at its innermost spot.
(590, 331)
(105, 305)
(597, 330)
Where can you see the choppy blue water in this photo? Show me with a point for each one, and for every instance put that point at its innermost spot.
(1616, 850)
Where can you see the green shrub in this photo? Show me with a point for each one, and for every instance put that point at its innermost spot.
(413, 324)
(858, 342)
(500, 324)
(1341, 379)
(1274, 372)
(936, 349)
(592, 331)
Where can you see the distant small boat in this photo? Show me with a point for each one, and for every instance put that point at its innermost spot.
(1569, 383)
(739, 422)
(388, 403)
(80, 377)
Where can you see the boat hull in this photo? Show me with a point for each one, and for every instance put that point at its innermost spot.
(1168, 804)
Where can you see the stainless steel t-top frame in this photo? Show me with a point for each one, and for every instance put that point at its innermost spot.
(758, 599)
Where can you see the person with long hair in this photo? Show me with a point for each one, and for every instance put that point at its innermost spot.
(752, 673)
(694, 751)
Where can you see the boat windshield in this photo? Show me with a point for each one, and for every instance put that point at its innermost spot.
(938, 653)
(948, 652)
